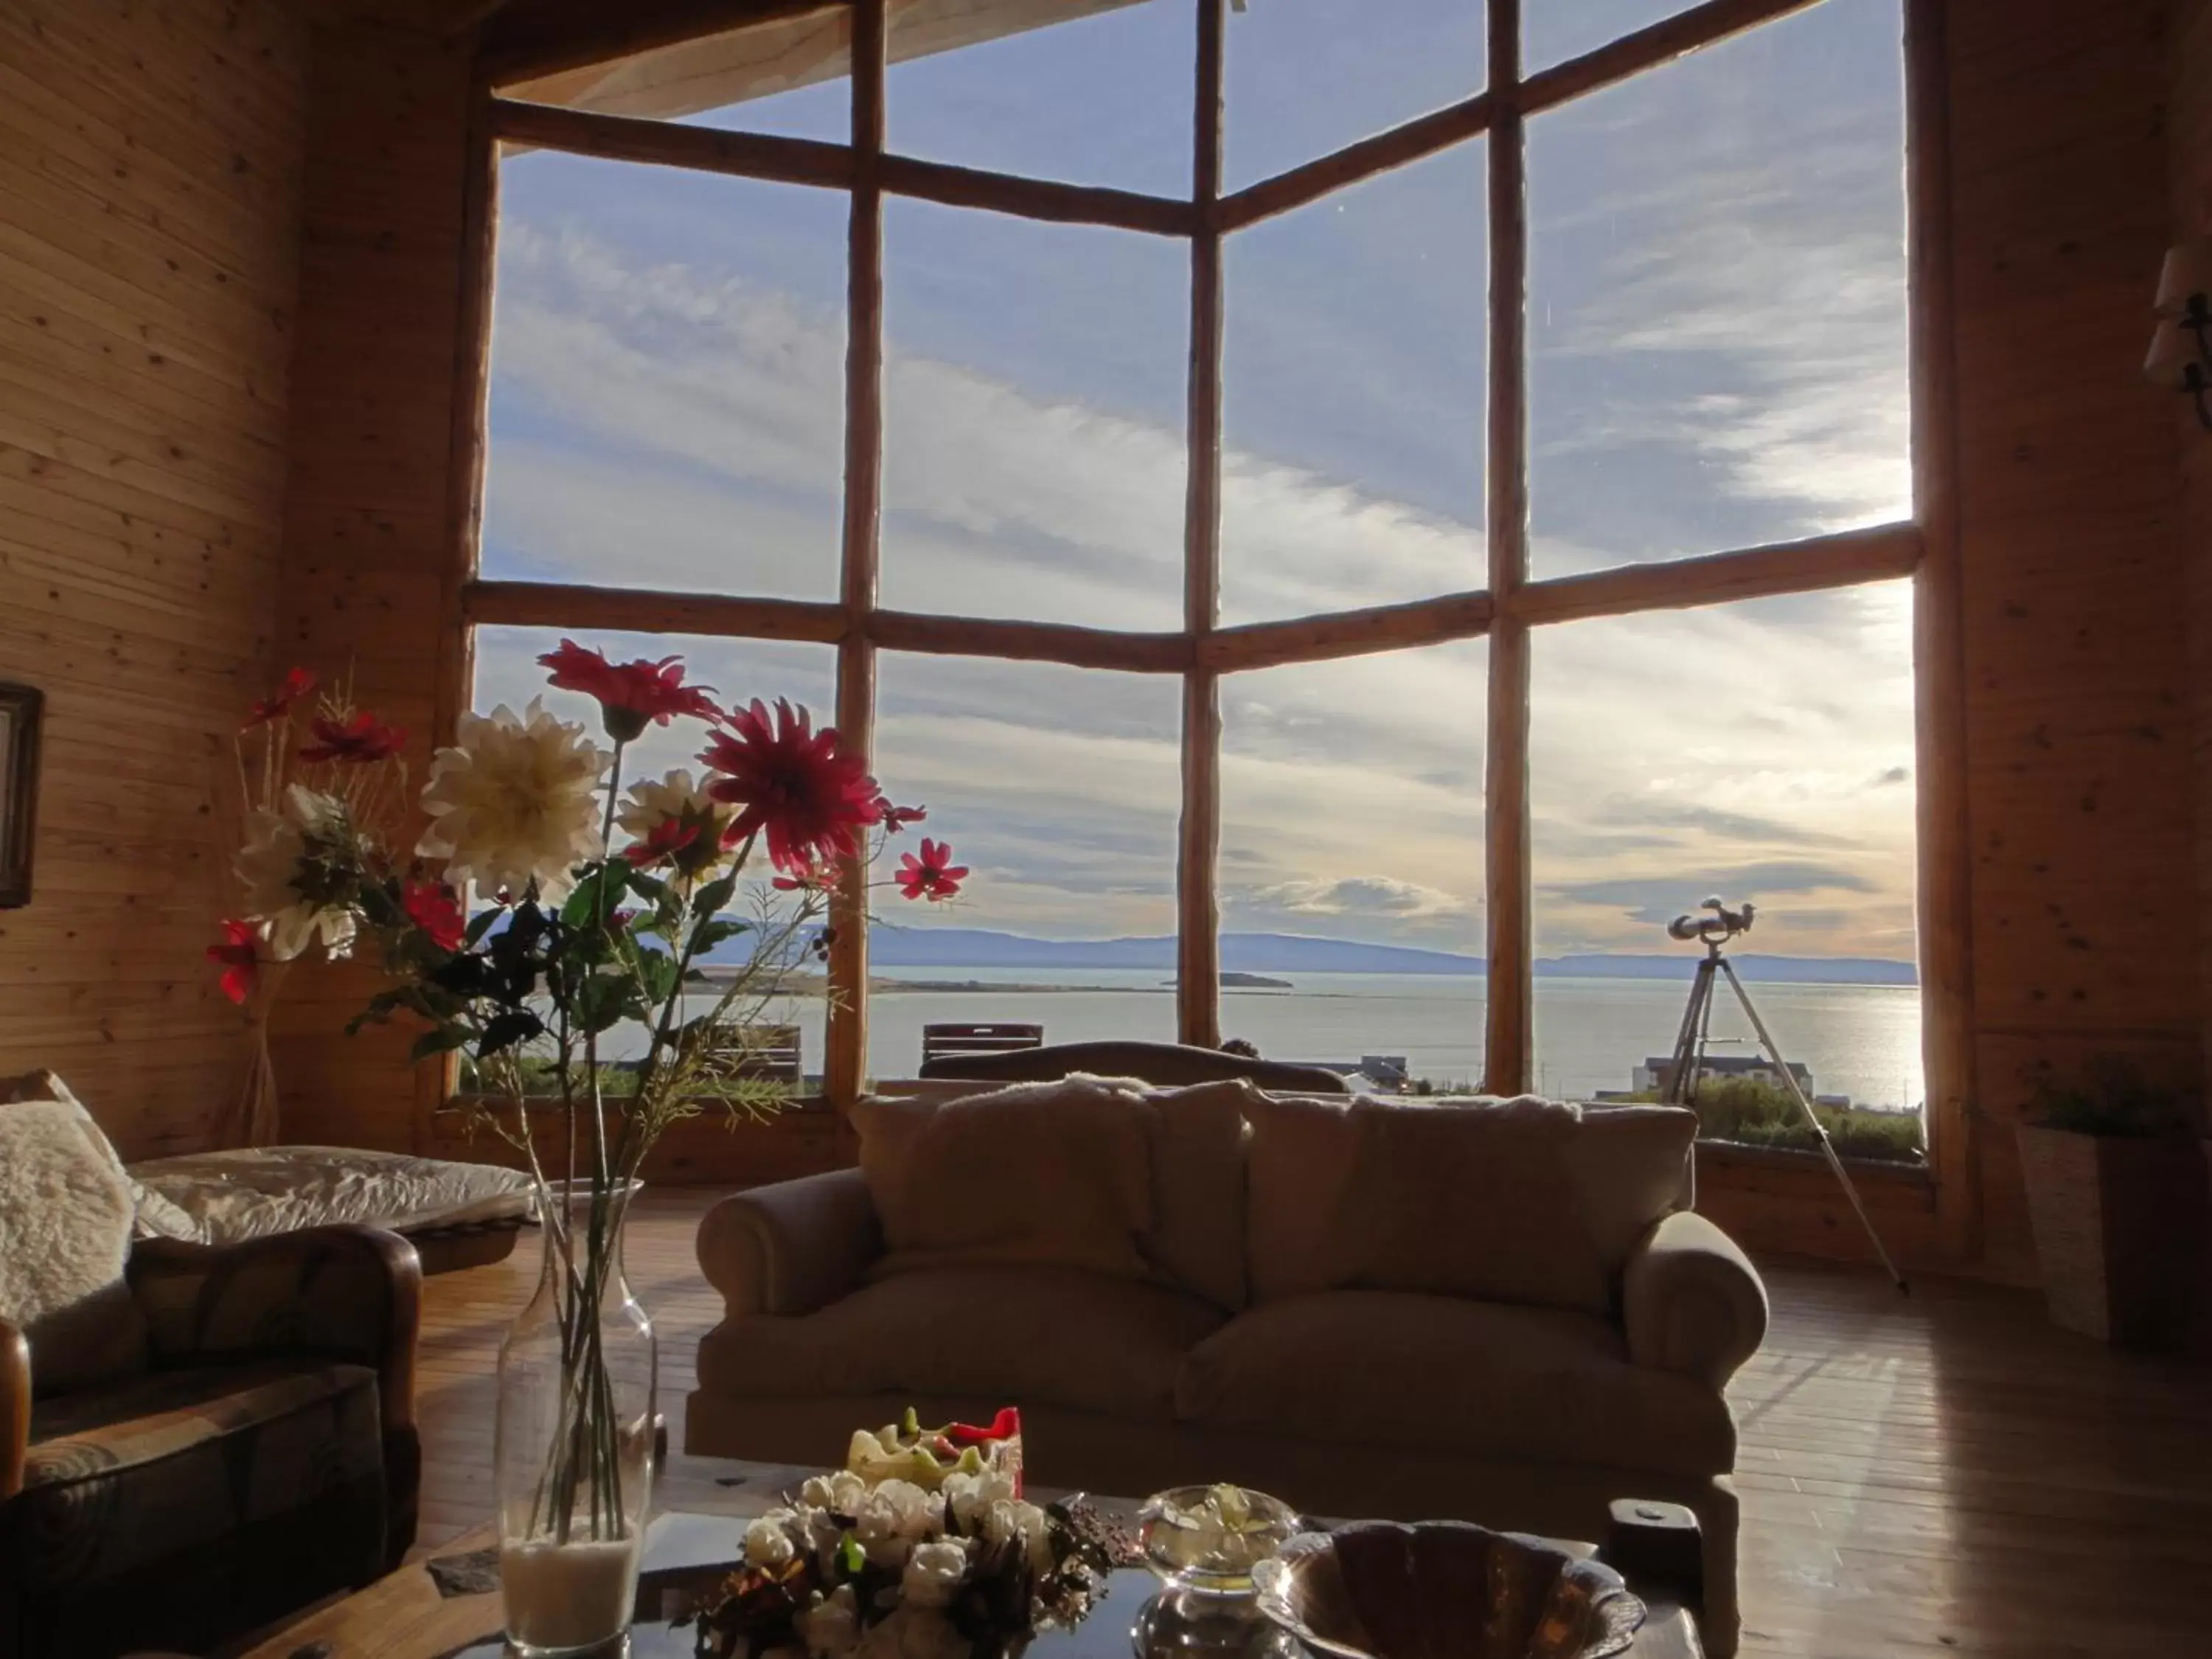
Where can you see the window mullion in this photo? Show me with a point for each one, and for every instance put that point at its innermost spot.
(1508, 1042)
(846, 1063)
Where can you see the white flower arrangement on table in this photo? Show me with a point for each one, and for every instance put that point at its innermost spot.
(868, 1566)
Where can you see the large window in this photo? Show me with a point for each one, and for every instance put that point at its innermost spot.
(1350, 522)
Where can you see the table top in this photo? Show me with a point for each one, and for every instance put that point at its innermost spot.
(405, 1616)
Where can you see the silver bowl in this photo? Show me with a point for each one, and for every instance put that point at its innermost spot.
(1444, 1590)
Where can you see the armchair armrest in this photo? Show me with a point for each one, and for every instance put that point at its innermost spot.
(790, 1247)
(15, 1407)
(347, 1293)
(1692, 1301)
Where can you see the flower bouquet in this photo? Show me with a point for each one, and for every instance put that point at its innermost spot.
(576, 938)
(953, 1565)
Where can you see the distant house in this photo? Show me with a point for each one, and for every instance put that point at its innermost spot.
(1656, 1074)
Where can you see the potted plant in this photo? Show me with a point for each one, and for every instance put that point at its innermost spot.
(2115, 1195)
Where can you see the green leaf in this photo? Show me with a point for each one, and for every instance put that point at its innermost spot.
(443, 1041)
(714, 894)
(716, 930)
(657, 969)
(850, 1555)
(648, 886)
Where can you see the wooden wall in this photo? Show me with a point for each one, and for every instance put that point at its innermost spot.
(149, 176)
(365, 519)
(2087, 937)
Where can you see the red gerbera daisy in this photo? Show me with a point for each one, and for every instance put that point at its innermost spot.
(670, 836)
(435, 909)
(632, 696)
(798, 787)
(297, 684)
(357, 739)
(239, 956)
(934, 876)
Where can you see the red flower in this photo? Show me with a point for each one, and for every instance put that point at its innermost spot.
(670, 836)
(934, 876)
(631, 694)
(798, 787)
(297, 684)
(436, 910)
(357, 739)
(239, 956)
(815, 878)
(896, 818)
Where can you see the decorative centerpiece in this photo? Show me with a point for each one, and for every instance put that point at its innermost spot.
(1205, 1541)
(1382, 1589)
(955, 1564)
(572, 937)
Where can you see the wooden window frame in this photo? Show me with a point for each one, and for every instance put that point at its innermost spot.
(1504, 608)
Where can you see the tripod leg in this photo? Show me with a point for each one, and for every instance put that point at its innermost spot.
(1682, 1080)
(1820, 1130)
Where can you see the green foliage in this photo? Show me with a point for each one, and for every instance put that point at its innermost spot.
(2112, 1098)
(1756, 1110)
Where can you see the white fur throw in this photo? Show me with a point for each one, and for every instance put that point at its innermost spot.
(65, 1222)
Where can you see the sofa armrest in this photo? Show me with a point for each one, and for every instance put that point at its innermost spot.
(1691, 1300)
(347, 1293)
(790, 1247)
(15, 1407)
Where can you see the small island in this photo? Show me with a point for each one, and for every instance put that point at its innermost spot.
(1235, 981)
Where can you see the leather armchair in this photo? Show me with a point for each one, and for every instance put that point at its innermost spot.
(267, 1458)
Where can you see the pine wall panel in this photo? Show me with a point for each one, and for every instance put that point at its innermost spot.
(149, 186)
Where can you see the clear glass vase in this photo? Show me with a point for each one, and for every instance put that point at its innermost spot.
(574, 1451)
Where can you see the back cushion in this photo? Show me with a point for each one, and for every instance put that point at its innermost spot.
(65, 1220)
(1197, 1238)
(1523, 1200)
(1046, 1174)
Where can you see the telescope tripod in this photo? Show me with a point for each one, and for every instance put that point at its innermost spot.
(1689, 1061)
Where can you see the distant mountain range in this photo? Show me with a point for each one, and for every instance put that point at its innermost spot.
(1291, 953)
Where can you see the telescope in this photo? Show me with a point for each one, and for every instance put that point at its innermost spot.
(1717, 928)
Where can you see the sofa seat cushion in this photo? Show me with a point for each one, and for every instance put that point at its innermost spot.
(221, 1487)
(1393, 1368)
(1023, 1335)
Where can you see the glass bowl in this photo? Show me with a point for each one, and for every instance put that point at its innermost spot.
(1205, 1540)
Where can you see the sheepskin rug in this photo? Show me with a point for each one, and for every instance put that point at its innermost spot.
(65, 1224)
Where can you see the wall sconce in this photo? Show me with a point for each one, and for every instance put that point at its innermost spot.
(2181, 346)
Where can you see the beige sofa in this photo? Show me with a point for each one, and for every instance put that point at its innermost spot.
(1497, 1310)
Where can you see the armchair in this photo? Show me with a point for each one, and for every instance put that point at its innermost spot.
(268, 1456)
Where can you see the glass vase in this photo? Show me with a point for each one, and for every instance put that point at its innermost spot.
(574, 1438)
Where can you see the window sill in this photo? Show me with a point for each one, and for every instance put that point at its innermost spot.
(1722, 1155)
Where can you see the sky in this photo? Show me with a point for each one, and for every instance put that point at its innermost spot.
(1718, 359)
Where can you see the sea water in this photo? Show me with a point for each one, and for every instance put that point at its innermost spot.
(1863, 1041)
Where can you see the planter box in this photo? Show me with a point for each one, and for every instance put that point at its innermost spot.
(2118, 1229)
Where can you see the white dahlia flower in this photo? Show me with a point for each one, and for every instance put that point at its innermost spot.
(515, 801)
(678, 798)
(278, 867)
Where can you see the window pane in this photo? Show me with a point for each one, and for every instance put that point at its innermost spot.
(1102, 96)
(1352, 860)
(667, 375)
(1552, 33)
(1760, 750)
(790, 76)
(1353, 397)
(1304, 77)
(1033, 409)
(507, 672)
(1060, 789)
(1717, 298)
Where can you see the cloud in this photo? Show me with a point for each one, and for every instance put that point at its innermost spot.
(1361, 895)
(1661, 898)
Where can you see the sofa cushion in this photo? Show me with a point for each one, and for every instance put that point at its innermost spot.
(1390, 1367)
(194, 1504)
(1040, 1174)
(66, 1213)
(1048, 1336)
(1197, 1239)
(156, 1217)
(1522, 1201)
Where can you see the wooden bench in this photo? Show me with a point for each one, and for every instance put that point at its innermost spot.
(949, 1040)
(761, 1051)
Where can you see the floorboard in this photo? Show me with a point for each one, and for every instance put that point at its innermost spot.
(1942, 1474)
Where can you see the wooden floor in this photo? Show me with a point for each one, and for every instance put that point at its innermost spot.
(1942, 1475)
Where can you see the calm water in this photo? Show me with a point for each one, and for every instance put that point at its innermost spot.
(1863, 1041)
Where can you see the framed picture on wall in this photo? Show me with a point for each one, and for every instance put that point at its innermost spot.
(20, 707)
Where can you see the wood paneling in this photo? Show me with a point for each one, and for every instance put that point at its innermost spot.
(150, 182)
(367, 517)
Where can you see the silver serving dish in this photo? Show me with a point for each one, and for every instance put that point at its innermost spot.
(1444, 1590)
